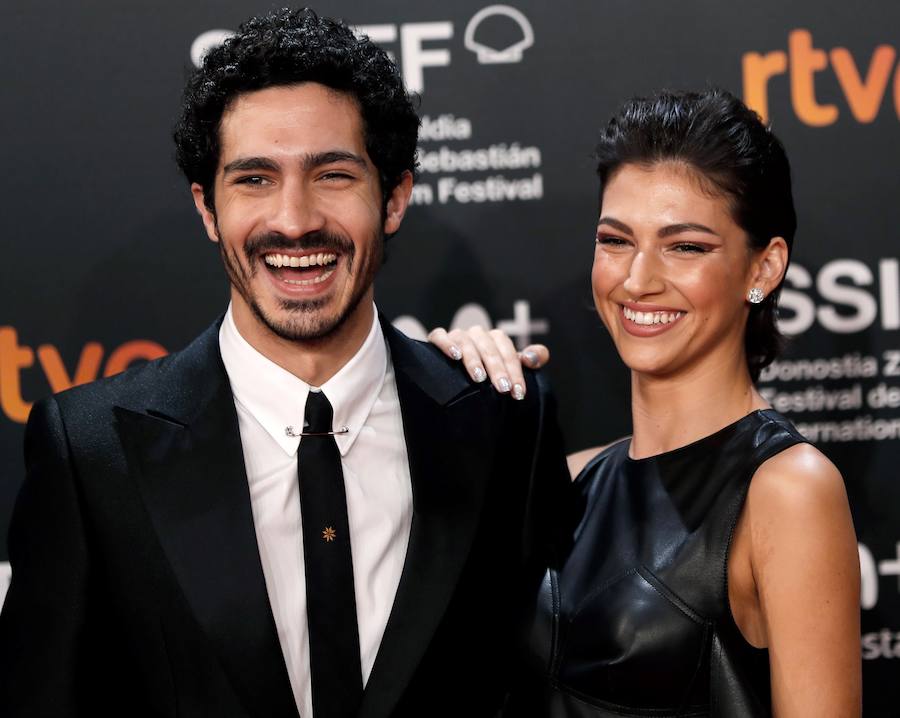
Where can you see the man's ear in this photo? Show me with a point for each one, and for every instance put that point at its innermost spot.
(397, 203)
(208, 217)
(769, 266)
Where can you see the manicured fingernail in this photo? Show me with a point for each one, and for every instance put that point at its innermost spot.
(518, 392)
(530, 357)
(455, 352)
(503, 384)
(479, 375)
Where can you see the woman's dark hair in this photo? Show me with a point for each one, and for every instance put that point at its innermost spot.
(735, 155)
(286, 47)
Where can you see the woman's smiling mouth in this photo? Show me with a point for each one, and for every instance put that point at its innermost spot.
(648, 320)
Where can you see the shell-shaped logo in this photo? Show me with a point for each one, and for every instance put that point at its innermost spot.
(493, 56)
(204, 42)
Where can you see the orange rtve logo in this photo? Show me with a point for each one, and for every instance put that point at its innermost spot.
(15, 357)
(864, 94)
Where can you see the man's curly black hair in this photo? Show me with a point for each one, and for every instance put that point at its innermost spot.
(285, 47)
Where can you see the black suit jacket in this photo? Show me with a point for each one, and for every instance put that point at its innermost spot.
(137, 588)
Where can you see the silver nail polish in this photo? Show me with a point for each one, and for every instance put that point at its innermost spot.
(479, 374)
(518, 392)
(455, 352)
(530, 357)
(503, 384)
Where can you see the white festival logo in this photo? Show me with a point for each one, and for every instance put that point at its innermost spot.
(414, 55)
(205, 41)
(492, 56)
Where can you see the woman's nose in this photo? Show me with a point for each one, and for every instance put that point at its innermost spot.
(643, 276)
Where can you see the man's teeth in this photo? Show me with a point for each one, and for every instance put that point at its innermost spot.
(309, 260)
(302, 282)
(651, 317)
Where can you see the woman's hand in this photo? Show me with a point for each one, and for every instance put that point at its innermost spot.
(491, 354)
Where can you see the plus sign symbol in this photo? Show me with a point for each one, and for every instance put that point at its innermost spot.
(870, 570)
(521, 327)
(891, 567)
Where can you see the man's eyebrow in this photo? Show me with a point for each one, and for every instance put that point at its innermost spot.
(616, 224)
(684, 227)
(243, 164)
(317, 159)
(308, 162)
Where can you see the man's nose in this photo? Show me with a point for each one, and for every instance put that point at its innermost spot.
(296, 211)
(643, 276)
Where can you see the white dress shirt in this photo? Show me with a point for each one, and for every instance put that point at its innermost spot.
(364, 396)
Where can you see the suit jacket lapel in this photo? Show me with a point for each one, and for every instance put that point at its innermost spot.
(186, 447)
(450, 451)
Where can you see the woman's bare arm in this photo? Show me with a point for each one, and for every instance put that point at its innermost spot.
(805, 563)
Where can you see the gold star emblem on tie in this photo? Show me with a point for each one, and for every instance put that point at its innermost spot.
(329, 534)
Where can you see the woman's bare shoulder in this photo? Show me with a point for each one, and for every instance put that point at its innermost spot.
(579, 459)
(798, 513)
(797, 479)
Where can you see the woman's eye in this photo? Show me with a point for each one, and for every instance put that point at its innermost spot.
(610, 240)
(688, 248)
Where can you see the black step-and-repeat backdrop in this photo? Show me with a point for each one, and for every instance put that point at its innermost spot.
(104, 262)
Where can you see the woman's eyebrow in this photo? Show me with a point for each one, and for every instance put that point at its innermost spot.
(616, 224)
(684, 227)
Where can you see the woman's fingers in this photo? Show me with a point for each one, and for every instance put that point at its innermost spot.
(491, 354)
(457, 344)
(534, 356)
(442, 341)
(470, 355)
(500, 360)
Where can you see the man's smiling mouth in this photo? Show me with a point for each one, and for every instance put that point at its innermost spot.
(301, 270)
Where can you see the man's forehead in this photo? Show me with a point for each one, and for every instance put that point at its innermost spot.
(292, 90)
(308, 114)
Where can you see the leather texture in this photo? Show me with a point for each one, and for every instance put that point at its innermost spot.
(137, 587)
(632, 619)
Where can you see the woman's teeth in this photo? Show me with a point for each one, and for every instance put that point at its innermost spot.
(648, 318)
(310, 260)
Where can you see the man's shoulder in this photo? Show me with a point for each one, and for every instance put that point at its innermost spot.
(447, 381)
(151, 382)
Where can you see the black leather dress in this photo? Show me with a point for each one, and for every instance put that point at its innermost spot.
(634, 620)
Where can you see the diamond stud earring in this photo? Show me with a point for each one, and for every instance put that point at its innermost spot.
(755, 295)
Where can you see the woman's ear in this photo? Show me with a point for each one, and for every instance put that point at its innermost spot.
(769, 266)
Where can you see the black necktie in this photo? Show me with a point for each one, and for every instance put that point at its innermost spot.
(331, 603)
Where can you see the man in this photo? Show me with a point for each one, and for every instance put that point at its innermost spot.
(303, 511)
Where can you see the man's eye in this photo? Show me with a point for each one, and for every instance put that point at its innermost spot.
(251, 180)
(335, 176)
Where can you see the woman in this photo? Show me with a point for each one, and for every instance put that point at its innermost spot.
(712, 567)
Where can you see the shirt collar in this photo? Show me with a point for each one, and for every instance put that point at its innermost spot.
(277, 399)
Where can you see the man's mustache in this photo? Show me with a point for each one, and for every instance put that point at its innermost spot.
(319, 239)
